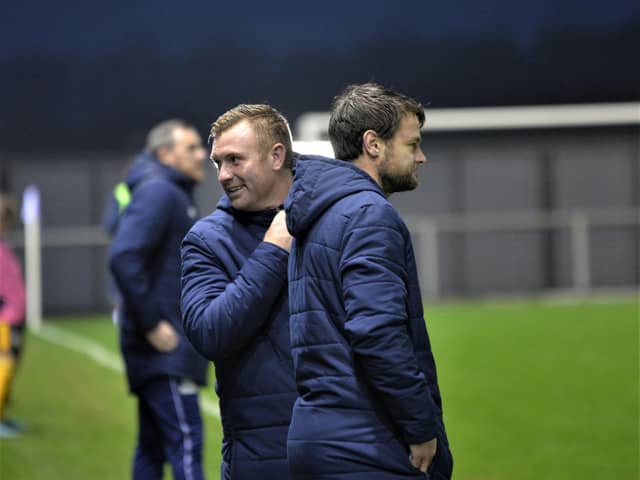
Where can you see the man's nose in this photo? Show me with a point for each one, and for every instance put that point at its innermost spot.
(224, 174)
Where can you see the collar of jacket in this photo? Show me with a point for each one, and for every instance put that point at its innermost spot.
(177, 177)
(318, 183)
(259, 217)
(147, 166)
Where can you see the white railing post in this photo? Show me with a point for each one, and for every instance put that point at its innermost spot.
(429, 266)
(580, 255)
(32, 253)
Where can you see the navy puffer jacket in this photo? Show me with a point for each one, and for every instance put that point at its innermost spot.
(363, 364)
(145, 261)
(235, 312)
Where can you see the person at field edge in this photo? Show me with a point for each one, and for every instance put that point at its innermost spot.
(234, 290)
(12, 315)
(163, 369)
(117, 201)
(369, 405)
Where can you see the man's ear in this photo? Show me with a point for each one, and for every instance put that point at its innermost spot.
(278, 156)
(371, 143)
(163, 154)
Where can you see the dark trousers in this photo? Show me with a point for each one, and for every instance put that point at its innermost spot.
(169, 429)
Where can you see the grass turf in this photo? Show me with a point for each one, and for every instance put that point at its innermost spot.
(531, 390)
(82, 419)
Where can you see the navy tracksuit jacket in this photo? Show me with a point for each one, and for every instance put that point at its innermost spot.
(145, 261)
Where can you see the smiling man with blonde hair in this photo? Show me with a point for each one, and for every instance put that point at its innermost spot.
(234, 290)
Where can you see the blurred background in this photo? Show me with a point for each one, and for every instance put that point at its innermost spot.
(512, 202)
(532, 136)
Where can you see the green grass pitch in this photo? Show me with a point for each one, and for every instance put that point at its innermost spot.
(531, 390)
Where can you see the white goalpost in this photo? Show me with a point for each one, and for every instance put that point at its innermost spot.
(32, 254)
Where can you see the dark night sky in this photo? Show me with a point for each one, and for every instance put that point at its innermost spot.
(83, 27)
(97, 74)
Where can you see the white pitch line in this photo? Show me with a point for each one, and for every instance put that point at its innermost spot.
(102, 356)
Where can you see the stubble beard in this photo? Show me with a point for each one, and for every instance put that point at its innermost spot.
(392, 183)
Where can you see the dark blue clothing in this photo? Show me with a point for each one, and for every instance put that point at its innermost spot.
(363, 363)
(145, 262)
(111, 215)
(235, 312)
(169, 429)
(142, 166)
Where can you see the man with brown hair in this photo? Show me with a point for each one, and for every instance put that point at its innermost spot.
(234, 290)
(369, 405)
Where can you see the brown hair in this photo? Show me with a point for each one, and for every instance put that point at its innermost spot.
(367, 106)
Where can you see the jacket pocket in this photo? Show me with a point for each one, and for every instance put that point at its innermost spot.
(442, 465)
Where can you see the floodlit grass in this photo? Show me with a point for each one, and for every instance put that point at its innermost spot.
(81, 415)
(531, 390)
(539, 391)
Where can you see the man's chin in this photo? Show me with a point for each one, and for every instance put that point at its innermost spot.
(238, 203)
(412, 183)
(400, 184)
(196, 175)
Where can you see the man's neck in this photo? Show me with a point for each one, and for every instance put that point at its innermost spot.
(281, 189)
(367, 164)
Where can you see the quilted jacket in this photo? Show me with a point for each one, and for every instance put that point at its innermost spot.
(235, 312)
(145, 261)
(363, 364)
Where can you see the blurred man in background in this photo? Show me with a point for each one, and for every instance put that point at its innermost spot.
(369, 405)
(234, 290)
(12, 314)
(163, 369)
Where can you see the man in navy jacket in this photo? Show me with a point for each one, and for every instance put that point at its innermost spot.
(163, 369)
(369, 405)
(234, 290)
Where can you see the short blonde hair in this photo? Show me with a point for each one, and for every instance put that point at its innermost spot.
(270, 125)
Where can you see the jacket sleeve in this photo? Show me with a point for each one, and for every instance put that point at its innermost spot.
(141, 229)
(222, 314)
(374, 283)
